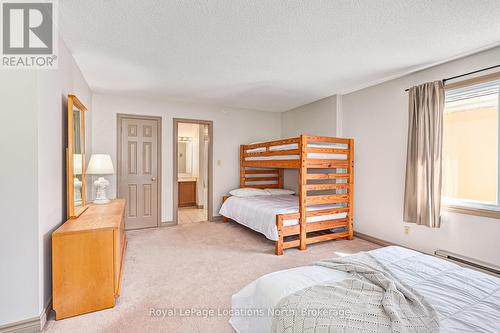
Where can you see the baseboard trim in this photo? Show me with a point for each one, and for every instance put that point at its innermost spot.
(24, 326)
(32, 325)
(373, 239)
(44, 316)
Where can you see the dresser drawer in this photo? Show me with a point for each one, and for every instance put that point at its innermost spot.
(82, 272)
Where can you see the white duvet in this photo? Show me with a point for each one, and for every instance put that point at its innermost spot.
(259, 212)
(465, 300)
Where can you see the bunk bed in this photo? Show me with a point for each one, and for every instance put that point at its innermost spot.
(325, 188)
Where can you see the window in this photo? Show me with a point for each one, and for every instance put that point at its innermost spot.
(470, 147)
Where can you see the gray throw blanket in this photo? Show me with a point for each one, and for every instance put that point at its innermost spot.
(370, 300)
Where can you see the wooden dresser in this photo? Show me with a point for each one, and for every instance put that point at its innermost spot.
(87, 260)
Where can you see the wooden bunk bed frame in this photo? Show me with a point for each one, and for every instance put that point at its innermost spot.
(312, 186)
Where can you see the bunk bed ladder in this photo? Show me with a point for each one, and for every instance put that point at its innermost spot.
(314, 193)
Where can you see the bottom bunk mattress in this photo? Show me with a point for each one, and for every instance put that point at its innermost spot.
(465, 300)
(259, 212)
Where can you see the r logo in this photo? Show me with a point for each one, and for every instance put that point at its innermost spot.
(27, 28)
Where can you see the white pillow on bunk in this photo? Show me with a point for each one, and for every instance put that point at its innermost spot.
(248, 192)
(279, 191)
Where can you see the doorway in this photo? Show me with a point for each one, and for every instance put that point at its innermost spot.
(139, 169)
(192, 174)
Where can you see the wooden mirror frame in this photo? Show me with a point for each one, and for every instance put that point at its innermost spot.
(73, 101)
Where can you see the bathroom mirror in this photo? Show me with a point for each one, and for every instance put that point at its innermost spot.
(75, 158)
(185, 156)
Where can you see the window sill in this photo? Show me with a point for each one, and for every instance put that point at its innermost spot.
(495, 214)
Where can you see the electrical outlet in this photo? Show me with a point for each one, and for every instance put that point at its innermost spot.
(219, 162)
(407, 230)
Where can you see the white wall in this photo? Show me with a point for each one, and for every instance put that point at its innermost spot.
(316, 118)
(33, 194)
(232, 127)
(376, 118)
(18, 197)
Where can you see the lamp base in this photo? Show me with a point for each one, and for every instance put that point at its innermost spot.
(100, 185)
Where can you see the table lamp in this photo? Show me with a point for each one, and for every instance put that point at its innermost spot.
(100, 165)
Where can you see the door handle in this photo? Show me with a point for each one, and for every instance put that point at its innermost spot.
(153, 179)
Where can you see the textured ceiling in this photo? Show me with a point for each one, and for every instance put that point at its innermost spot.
(268, 55)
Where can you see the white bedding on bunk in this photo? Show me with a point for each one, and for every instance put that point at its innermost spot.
(295, 157)
(465, 300)
(259, 212)
(317, 156)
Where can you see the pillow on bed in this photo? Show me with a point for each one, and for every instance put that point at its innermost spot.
(248, 192)
(279, 191)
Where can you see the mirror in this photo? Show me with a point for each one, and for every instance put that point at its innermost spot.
(75, 163)
(185, 156)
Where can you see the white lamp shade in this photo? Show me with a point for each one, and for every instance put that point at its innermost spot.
(100, 164)
(77, 164)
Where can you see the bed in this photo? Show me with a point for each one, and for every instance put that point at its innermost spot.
(465, 300)
(259, 212)
(325, 200)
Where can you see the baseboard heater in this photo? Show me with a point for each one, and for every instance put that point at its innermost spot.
(481, 265)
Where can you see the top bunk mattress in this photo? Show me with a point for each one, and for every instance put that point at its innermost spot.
(319, 156)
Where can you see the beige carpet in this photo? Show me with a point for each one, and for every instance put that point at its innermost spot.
(196, 265)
